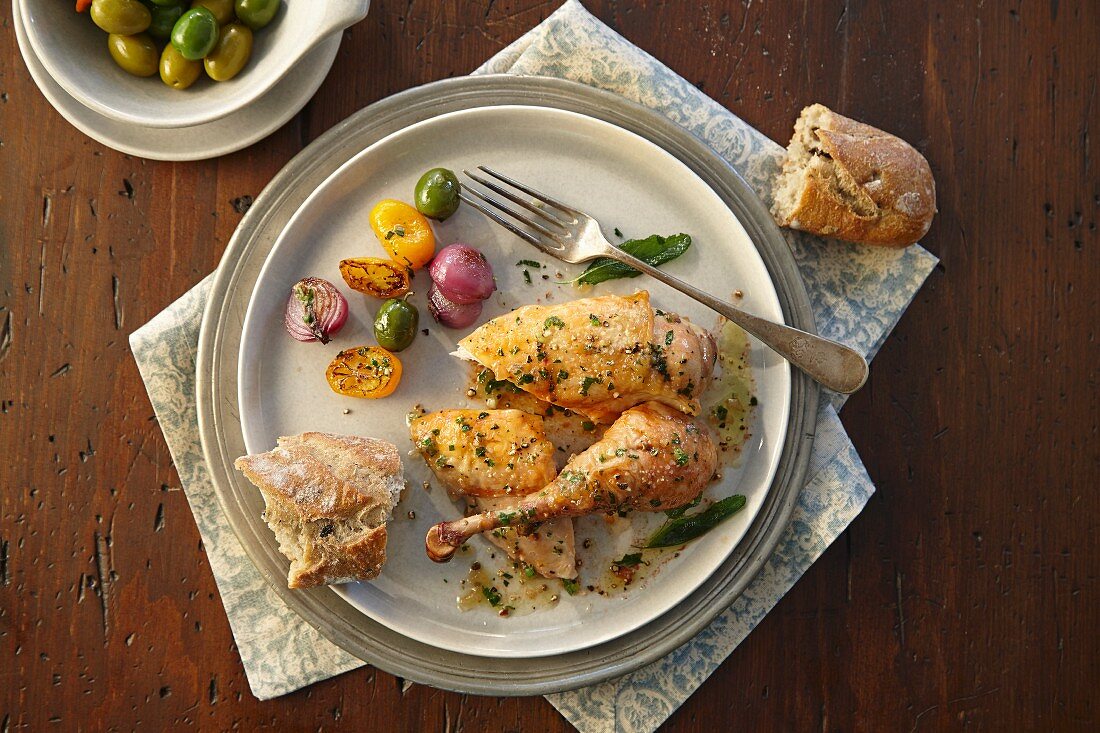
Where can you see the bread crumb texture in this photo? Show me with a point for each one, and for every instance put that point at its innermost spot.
(844, 179)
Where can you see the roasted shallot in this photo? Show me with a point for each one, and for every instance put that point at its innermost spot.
(315, 310)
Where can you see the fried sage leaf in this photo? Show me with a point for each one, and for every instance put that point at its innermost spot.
(654, 250)
(684, 528)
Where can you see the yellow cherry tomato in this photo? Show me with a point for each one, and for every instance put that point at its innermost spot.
(375, 276)
(404, 232)
(365, 371)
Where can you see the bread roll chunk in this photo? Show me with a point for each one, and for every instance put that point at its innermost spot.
(848, 180)
(328, 500)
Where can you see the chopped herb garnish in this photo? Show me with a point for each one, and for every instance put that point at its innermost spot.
(753, 402)
(618, 233)
(587, 383)
(563, 375)
(588, 426)
(571, 586)
(554, 321)
(492, 595)
(681, 456)
(657, 359)
(529, 263)
(668, 338)
(526, 379)
(594, 319)
(479, 451)
(527, 277)
(529, 571)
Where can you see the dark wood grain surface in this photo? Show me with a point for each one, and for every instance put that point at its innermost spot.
(964, 596)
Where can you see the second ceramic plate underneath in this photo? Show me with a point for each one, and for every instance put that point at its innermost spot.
(626, 182)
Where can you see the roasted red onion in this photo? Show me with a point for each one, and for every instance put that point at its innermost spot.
(462, 274)
(315, 310)
(451, 314)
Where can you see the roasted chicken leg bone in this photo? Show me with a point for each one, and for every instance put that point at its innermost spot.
(653, 458)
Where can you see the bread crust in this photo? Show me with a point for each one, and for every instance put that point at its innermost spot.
(858, 183)
(327, 500)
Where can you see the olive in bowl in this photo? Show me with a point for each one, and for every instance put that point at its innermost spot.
(73, 52)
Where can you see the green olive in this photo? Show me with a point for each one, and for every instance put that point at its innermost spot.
(135, 54)
(222, 9)
(122, 17)
(167, 3)
(256, 13)
(436, 193)
(176, 71)
(230, 54)
(195, 34)
(395, 325)
(164, 18)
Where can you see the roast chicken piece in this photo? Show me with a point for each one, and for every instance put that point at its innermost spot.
(495, 457)
(653, 458)
(485, 452)
(598, 356)
(568, 431)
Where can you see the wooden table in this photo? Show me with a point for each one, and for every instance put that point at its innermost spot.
(965, 595)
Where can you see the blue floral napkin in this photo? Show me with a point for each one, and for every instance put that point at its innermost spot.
(857, 293)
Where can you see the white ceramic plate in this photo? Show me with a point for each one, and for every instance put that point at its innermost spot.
(226, 135)
(624, 181)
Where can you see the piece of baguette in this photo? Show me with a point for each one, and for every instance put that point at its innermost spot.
(328, 499)
(848, 180)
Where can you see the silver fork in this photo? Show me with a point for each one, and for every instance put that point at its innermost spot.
(573, 236)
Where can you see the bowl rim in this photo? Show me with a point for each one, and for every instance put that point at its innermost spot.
(334, 22)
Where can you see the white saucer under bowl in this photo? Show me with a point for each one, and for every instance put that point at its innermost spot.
(210, 140)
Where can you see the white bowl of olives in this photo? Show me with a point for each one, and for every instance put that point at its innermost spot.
(177, 63)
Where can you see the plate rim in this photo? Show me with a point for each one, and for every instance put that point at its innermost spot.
(322, 608)
(248, 380)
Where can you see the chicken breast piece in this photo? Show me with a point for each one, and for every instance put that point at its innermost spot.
(598, 356)
(485, 453)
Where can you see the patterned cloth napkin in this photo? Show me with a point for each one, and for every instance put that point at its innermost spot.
(857, 293)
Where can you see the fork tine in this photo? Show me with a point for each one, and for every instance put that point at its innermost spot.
(547, 216)
(514, 214)
(531, 192)
(526, 236)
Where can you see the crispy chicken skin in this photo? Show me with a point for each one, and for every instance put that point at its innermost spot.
(653, 458)
(598, 356)
(495, 457)
(485, 453)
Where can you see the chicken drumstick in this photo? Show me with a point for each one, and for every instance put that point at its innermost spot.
(653, 458)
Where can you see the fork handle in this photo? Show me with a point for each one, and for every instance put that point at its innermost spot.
(829, 363)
